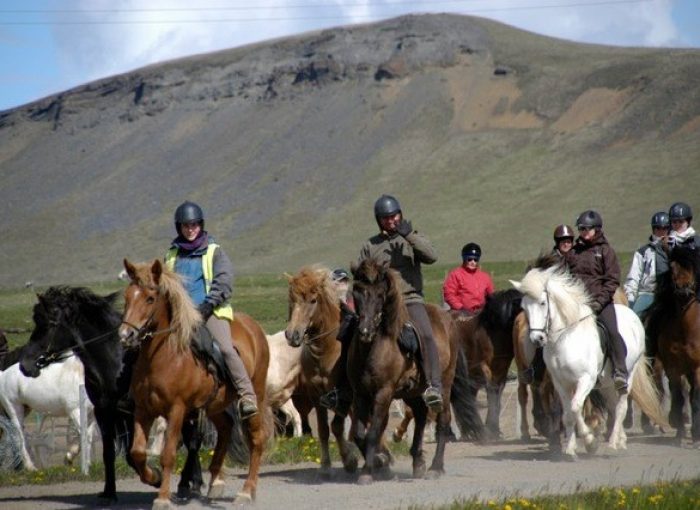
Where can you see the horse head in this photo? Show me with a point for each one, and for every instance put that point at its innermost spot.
(313, 306)
(685, 271)
(156, 302)
(378, 300)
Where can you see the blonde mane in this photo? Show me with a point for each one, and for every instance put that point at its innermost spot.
(566, 291)
(184, 317)
(315, 279)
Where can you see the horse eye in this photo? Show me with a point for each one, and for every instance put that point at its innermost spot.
(150, 300)
(313, 301)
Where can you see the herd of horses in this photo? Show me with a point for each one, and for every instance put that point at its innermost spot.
(140, 364)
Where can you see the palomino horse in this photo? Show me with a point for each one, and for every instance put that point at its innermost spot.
(170, 381)
(560, 319)
(674, 318)
(55, 392)
(75, 318)
(314, 317)
(380, 371)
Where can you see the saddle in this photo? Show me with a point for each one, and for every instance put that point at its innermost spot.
(207, 350)
(409, 341)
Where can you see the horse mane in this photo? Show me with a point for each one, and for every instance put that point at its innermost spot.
(500, 310)
(371, 272)
(80, 301)
(567, 291)
(544, 260)
(316, 279)
(184, 317)
(665, 303)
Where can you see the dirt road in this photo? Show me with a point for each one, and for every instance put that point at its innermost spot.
(506, 468)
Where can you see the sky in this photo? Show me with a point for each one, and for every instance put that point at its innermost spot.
(47, 46)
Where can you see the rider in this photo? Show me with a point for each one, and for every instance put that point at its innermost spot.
(404, 249)
(594, 261)
(682, 234)
(648, 263)
(207, 274)
(467, 287)
(563, 240)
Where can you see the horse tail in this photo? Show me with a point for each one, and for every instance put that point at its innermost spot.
(463, 400)
(238, 450)
(645, 393)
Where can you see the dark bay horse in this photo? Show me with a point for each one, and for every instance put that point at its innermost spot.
(75, 318)
(674, 319)
(314, 317)
(170, 381)
(380, 371)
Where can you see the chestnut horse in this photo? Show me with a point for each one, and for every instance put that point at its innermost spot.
(170, 381)
(379, 370)
(314, 318)
(674, 319)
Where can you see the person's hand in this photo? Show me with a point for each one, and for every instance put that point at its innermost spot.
(404, 228)
(206, 310)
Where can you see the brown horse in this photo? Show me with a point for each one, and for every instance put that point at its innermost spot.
(170, 381)
(674, 319)
(379, 370)
(314, 318)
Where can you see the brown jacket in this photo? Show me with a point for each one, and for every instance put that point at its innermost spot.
(405, 255)
(597, 265)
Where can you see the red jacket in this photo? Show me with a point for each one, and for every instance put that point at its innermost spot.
(466, 290)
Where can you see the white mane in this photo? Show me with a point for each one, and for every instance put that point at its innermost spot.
(566, 292)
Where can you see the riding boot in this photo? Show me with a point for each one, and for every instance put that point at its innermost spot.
(430, 360)
(247, 402)
(618, 349)
(339, 399)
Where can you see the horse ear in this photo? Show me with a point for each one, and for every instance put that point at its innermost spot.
(353, 268)
(516, 285)
(156, 271)
(288, 276)
(130, 269)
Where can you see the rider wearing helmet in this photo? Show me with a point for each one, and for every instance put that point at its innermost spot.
(594, 261)
(563, 240)
(207, 275)
(648, 263)
(682, 234)
(467, 286)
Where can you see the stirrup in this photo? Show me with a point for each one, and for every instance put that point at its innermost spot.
(330, 400)
(247, 408)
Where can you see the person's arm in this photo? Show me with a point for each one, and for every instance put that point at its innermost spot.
(611, 276)
(634, 277)
(489, 285)
(423, 249)
(222, 279)
(450, 291)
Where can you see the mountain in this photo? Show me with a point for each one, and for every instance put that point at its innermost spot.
(484, 132)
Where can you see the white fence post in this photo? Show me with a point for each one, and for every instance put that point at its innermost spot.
(84, 439)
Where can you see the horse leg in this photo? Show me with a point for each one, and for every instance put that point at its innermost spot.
(323, 435)
(223, 424)
(167, 456)
(256, 432)
(675, 417)
(191, 478)
(105, 421)
(16, 414)
(347, 454)
(694, 381)
(380, 410)
(618, 438)
(420, 413)
(522, 403)
(400, 431)
(578, 401)
(142, 424)
(493, 399)
(443, 421)
(293, 415)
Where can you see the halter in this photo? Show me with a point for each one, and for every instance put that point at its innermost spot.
(547, 320)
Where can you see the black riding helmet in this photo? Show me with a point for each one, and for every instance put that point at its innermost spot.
(471, 251)
(589, 218)
(660, 220)
(188, 212)
(680, 211)
(386, 205)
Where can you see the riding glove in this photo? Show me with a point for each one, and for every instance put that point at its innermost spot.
(206, 310)
(404, 228)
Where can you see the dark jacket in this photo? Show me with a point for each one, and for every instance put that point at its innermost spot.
(597, 265)
(405, 255)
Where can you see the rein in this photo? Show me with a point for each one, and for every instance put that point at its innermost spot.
(547, 323)
(53, 356)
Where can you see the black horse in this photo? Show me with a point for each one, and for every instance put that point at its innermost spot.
(74, 318)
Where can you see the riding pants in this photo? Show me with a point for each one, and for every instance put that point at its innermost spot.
(430, 358)
(618, 349)
(221, 331)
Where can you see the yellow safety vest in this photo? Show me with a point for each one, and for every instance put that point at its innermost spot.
(224, 310)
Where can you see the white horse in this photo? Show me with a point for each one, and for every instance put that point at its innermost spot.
(56, 392)
(283, 377)
(556, 305)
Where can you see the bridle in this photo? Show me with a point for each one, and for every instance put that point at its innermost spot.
(148, 329)
(548, 320)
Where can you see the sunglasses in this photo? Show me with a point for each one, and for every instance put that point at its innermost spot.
(583, 228)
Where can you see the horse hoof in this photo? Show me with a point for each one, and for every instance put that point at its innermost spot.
(242, 500)
(161, 504)
(419, 471)
(216, 490)
(381, 460)
(433, 474)
(350, 463)
(592, 447)
(570, 457)
(365, 480)
(157, 477)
